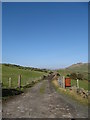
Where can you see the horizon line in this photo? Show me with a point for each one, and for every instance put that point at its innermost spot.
(44, 67)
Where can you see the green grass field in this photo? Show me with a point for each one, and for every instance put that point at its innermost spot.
(64, 72)
(26, 75)
(82, 84)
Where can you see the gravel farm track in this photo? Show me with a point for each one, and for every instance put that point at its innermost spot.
(42, 101)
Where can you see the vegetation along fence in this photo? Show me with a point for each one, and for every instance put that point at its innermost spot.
(20, 83)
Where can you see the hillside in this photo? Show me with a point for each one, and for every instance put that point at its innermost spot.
(79, 67)
(13, 71)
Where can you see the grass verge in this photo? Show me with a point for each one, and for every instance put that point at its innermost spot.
(70, 93)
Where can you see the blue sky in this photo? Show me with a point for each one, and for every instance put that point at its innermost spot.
(45, 35)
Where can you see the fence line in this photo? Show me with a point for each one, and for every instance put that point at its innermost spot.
(19, 83)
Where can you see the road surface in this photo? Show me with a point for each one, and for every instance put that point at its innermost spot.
(42, 101)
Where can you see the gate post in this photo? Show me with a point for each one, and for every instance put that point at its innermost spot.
(77, 83)
(63, 82)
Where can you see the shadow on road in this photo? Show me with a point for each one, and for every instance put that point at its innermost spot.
(10, 92)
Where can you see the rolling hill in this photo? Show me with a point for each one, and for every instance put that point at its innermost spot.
(77, 68)
(13, 71)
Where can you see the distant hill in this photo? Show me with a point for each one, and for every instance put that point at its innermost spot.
(25, 68)
(79, 67)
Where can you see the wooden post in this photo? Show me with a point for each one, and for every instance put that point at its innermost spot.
(19, 81)
(10, 82)
(63, 82)
(77, 83)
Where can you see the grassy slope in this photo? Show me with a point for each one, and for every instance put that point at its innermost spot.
(14, 72)
(81, 68)
(64, 72)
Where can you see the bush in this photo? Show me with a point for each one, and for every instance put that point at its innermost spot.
(73, 76)
(80, 76)
(76, 76)
(68, 75)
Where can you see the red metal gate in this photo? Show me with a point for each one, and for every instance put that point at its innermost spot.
(67, 82)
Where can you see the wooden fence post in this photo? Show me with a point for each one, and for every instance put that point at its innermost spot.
(19, 81)
(77, 83)
(10, 82)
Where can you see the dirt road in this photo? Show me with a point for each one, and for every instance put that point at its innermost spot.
(42, 101)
